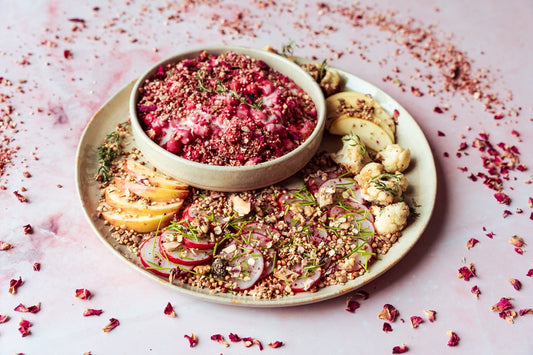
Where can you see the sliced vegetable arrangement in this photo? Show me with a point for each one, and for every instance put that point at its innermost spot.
(323, 228)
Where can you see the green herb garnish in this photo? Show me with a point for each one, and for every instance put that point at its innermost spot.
(110, 150)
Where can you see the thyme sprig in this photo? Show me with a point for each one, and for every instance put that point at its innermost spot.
(380, 180)
(354, 141)
(110, 150)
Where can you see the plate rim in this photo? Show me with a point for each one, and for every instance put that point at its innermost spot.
(286, 301)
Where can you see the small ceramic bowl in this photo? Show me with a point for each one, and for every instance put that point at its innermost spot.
(233, 178)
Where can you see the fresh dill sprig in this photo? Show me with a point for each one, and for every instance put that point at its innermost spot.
(287, 50)
(109, 151)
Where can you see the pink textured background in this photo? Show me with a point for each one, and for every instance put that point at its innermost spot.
(53, 98)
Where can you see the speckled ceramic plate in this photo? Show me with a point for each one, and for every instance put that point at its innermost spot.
(421, 176)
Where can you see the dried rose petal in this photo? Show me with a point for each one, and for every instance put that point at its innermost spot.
(530, 202)
(471, 242)
(530, 273)
(508, 316)
(415, 321)
(352, 305)
(387, 327)
(3, 318)
(14, 285)
(31, 309)
(193, 340)
(502, 305)
(20, 197)
(516, 284)
(454, 338)
(475, 290)
(466, 272)
(525, 311)
(67, 54)
(27, 229)
(388, 313)
(502, 198)
(83, 293)
(24, 327)
(490, 235)
(437, 109)
(506, 213)
(113, 323)
(431, 315)
(441, 134)
(234, 338)
(416, 92)
(258, 343)
(400, 349)
(276, 344)
(519, 251)
(36, 266)
(92, 312)
(220, 339)
(5, 246)
(517, 241)
(363, 294)
(169, 310)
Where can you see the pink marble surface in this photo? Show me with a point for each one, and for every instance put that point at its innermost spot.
(53, 97)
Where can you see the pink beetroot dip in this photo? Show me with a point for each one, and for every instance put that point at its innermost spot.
(226, 109)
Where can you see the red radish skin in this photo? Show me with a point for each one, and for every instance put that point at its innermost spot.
(157, 263)
(185, 256)
(243, 264)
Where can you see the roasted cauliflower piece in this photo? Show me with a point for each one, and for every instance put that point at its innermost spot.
(381, 187)
(392, 218)
(353, 154)
(394, 158)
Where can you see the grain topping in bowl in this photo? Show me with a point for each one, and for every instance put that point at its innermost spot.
(227, 109)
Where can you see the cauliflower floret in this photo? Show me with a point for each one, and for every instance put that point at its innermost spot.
(392, 218)
(379, 186)
(394, 158)
(353, 154)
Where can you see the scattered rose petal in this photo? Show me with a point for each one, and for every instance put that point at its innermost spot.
(258, 343)
(437, 109)
(490, 235)
(471, 242)
(387, 327)
(36, 266)
(352, 305)
(3, 318)
(519, 251)
(454, 338)
(389, 313)
(234, 338)
(517, 241)
(506, 213)
(79, 20)
(441, 134)
(516, 284)
(431, 315)
(475, 290)
(525, 311)
(24, 327)
(530, 273)
(502, 198)
(83, 293)
(92, 312)
(400, 349)
(14, 285)
(169, 310)
(20, 197)
(5, 246)
(27, 229)
(415, 321)
(113, 323)
(508, 316)
(466, 272)
(275, 344)
(363, 294)
(67, 54)
(193, 340)
(502, 305)
(31, 309)
(220, 339)
(416, 92)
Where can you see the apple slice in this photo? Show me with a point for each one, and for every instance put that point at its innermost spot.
(140, 224)
(141, 172)
(374, 137)
(350, 99)
(118, 200)
(153, 193)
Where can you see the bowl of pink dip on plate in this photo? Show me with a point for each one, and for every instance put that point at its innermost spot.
(227, 118)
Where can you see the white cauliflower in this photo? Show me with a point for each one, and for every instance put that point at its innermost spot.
(394, 158)
(379, 186)
(353, 154)
(392, 218)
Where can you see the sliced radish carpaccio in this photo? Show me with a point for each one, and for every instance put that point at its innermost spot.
(306, 280)
(246, 268)
(153, 261)
(183, 255)
(338, 187)
(361, 257)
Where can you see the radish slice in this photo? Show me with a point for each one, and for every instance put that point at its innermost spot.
(180, 254)
(155, 262)
(361, 257)
(181, 232)
(246, 268)
(306, 281)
